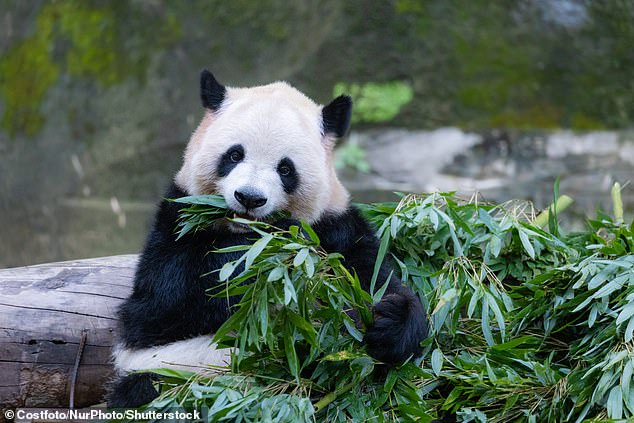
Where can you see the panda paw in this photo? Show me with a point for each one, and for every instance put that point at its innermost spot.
(399, 327)
(132, 391)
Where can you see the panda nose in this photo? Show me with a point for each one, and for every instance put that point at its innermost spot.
(249, 198)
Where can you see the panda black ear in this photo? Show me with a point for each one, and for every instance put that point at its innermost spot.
(211, 92)
(336, 116)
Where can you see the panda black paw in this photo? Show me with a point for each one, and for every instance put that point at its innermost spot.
(399, 327)
(132, 391)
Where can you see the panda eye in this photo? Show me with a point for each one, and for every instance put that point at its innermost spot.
(236, 156)
(288, 175)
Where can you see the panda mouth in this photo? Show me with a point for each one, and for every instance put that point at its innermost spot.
(238, 226)
(246, 217)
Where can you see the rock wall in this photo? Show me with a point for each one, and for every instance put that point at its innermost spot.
(501, 165)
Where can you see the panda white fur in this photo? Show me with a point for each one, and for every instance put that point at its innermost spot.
(264, 149)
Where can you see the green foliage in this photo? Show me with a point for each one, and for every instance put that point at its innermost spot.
(474, 64)
(525, 325)
(26, 73)
(482, 64)
(376, 102)
(351, 155)
(89, 35)
(201, 212)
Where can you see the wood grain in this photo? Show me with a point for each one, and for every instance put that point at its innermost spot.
(44, 310)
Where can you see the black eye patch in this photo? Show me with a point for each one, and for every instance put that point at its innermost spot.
(288, 175)
(229, 160)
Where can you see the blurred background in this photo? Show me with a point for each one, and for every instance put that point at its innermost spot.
(98, 99)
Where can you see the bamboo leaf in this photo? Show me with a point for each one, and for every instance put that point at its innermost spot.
(207, 200)
(379, 294)
(276, 274)
(307, 329)
(486, 327)
(309, 266)
(311, 233)
(385, 240)
(626, 385)
(291, 353)
(227, 270)
(473, 302)
(629, 330)
(626, 313)
(437, 359)
(289, 290)
(352, 330)
(263, 309)
(526, 243)
(499, 317)
(615, 403)
(300, 257)
(255, 251)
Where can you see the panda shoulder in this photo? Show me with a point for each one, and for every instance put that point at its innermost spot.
(339, 230)
(167, 211)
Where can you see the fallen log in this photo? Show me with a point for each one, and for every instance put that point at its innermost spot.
(57, 323)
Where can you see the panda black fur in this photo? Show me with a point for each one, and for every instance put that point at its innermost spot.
(264, 149)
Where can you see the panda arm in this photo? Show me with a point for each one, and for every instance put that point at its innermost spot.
(400, 322)
(169, 300)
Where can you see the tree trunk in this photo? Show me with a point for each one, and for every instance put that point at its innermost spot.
(57, 324)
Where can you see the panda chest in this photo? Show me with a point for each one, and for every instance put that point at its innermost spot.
(214, 260)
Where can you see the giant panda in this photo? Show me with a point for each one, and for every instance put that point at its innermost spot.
(264, 149)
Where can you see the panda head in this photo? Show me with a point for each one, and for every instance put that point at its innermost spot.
(266, 149)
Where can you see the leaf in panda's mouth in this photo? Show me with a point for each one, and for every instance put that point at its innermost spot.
(205, 210)
(202, 211)
(267, 220)
(211, 200)
(246, 217)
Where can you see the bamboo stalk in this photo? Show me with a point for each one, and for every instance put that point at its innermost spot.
(617, 202)
(327, 399)
(562, 204)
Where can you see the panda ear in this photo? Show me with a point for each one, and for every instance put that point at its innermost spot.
(336, 116)
(211, 92)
